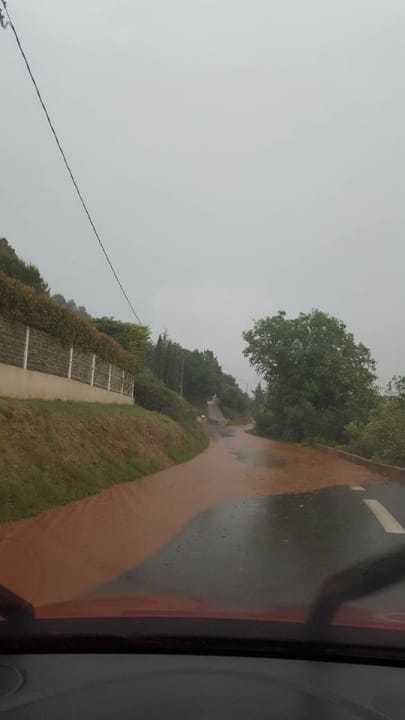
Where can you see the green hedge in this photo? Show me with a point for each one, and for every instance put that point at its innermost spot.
(20, 303)
(150, 394)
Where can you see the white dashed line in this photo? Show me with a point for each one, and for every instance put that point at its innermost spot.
(358, 487)
(387, 520)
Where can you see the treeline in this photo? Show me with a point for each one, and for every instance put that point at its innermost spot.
(319, 384)
(195, 375)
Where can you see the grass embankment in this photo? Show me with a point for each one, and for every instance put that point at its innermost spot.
(54, 452)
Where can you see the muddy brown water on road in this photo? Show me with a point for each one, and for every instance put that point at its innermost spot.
(66, 552)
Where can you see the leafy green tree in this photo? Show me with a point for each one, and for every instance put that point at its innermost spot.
(131, 337)
(194, 374)
(227, 379)
(14, 267)
(172, 366)
(396, 387)
(318, 377)
(259, 396)
(202, 376)
(233, 402)
(165, 362)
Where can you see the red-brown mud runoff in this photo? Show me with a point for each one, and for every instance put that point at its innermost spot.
(66, 552)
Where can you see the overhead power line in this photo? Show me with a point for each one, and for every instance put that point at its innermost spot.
(4, 21)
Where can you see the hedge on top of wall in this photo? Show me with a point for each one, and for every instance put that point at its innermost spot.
(20, 303)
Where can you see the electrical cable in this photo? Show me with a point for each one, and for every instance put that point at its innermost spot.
(65, 160)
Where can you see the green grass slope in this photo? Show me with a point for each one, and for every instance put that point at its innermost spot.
(54, 452)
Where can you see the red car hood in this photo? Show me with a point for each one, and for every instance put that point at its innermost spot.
(137, 606)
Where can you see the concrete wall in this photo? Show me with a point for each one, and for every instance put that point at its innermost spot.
(34, 364)
(19, 383)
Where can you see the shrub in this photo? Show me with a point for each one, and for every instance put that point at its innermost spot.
(20, 303)
(382, 438)
(150, 394)
(265, 424)
(233, 402)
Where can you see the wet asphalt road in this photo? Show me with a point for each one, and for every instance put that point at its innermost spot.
(257, 552)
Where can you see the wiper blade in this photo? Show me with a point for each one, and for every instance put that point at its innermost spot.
(360, 580)
(14, 607)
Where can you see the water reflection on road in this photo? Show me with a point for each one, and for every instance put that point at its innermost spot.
(253, 553)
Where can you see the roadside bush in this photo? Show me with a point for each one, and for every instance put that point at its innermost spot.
(22, 304)
(266, 425)
(301, 422)
(357, 440)
(230, 413)
(234, 403)
(150, 394)
(382, 438)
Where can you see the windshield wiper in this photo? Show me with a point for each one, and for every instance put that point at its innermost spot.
(14, 607)
(360, 580)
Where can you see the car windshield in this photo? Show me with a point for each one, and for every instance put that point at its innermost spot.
(202, 362)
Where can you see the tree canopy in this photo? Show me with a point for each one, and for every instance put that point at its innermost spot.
(259, 396)
(130, 336)
(192, 373)
(318, 377)
(195, 374)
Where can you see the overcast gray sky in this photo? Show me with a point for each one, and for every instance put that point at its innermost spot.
(239, 157)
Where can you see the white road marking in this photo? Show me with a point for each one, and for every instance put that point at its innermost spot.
(358, 487)
(387, 520)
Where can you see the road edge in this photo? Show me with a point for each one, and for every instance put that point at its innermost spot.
(392, 472)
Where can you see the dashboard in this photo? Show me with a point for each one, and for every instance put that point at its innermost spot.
(195, 687)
